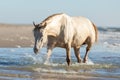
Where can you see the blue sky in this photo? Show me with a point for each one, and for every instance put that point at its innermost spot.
(101, 12)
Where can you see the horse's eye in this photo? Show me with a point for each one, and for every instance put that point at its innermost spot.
(41, 39)
(39, 28)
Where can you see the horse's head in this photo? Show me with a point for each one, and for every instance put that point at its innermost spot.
(40, 36)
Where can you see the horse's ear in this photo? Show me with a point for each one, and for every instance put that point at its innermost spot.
(35, 24)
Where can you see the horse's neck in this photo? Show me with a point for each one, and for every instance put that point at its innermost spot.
(52, 31)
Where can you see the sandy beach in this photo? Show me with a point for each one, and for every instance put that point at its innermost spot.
(16, 35)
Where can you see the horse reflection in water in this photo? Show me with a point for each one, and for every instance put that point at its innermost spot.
(61, 30)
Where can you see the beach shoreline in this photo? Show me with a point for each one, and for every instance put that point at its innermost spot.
(16, 35)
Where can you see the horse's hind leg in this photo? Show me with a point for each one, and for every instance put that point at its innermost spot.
(77, 54)
(89, 44)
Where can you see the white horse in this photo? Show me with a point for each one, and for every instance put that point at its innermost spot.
(61, 30)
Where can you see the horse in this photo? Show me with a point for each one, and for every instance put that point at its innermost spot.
(61, 30)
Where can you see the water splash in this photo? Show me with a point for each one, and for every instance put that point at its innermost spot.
(35, 59)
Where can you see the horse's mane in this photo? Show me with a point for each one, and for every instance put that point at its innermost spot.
(50, 17)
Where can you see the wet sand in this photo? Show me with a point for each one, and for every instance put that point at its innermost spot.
(13, 73)
(16, 35)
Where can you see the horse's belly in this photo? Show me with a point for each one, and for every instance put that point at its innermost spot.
(78, 41)
(60, 44)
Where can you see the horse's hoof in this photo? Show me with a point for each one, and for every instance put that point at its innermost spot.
(46, 62)
(84, 61)
(68, 64)
(68, 61)
(79, 61)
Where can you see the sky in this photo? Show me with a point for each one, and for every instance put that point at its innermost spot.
(101, 12)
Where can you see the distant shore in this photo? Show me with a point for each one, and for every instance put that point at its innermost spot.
(16, 35)
(21, 35)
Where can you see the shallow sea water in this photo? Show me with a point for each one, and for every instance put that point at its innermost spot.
(103, 63)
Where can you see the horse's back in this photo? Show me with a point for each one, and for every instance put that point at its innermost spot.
(83, 29)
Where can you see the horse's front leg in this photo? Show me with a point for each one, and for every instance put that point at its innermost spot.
(68, 55)
(49, 52)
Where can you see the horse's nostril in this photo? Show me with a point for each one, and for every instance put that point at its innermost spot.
(35, 50)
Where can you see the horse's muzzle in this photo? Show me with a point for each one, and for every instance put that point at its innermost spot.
(35, 50)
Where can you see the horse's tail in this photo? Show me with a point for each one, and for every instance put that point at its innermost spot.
(96, 32)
